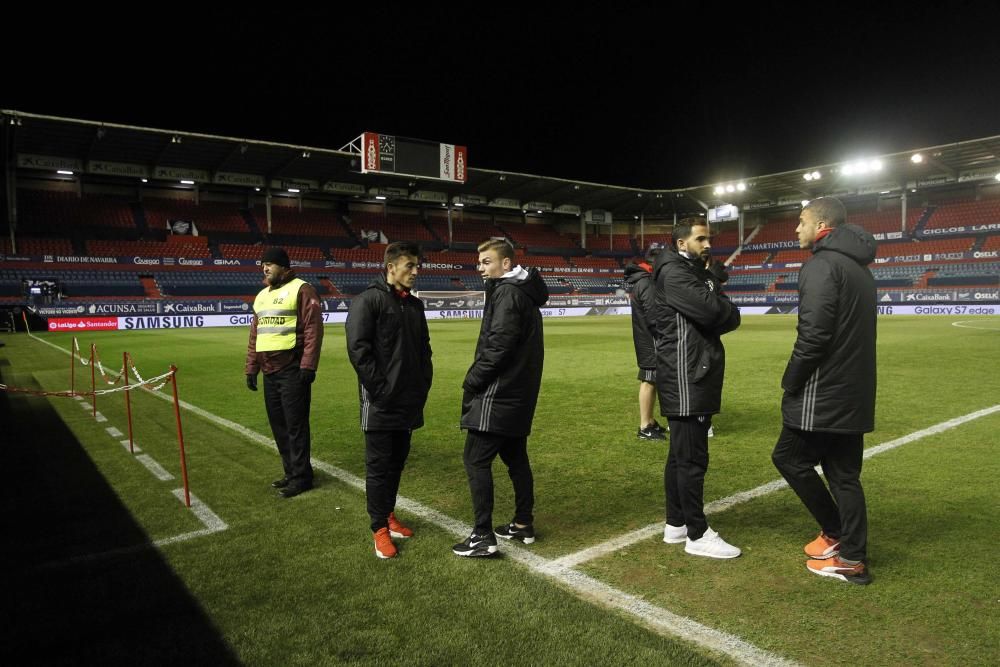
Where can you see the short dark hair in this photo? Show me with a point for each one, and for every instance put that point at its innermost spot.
(399, 249)
(682, 230)
(829, 210)
(503, 247)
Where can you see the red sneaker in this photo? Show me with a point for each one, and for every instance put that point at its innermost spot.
(822, 547)
(396, 529)
(384, 548)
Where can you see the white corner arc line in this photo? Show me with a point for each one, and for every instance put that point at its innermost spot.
(964, 324)
(100, 418)
(113, 432)
(159, 472)
(722, 504)
(86, 406)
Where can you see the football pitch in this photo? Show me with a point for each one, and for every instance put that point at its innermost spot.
(105, 565)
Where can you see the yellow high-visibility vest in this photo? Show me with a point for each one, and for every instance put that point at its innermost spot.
(277, 314)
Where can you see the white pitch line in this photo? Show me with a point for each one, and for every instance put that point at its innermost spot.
(588, 587)
(124, 443)
(206, 516)
(964, 324)
(722, 504)
(113, 432)
(152, 466)
(78, 398)
(86, 406)
(100, 418)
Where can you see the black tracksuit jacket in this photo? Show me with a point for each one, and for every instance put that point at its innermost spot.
(501, 387)
(389, 346)
(829, 381)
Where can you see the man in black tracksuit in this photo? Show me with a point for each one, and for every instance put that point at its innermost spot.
(641, 294)
(500, 394)
(829, 383)
(389, 346)
(691, 313)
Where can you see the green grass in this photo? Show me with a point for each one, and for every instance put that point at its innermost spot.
(295, 582)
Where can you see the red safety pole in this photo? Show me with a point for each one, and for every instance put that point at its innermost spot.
(180, 436)
(93, 380)
(128, 403)
(72, 367)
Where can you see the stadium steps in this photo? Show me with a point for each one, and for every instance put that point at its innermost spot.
(139, 216)
(921, 282)
(345, 224)
(978, 244)
(925, 217)
(251, 222)
(426, 225)
(150, 286)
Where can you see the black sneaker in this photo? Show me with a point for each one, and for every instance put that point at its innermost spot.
(651, 433)
(476, 546)
(512, 532)
(661, 429)
(293, 489)
(280, 483)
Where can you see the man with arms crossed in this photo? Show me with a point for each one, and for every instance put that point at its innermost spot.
(691, 314)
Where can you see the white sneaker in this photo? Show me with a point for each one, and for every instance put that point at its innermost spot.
(674, 534)
(711, 545)
(711, 431)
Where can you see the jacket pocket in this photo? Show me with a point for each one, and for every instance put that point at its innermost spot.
(702, 365)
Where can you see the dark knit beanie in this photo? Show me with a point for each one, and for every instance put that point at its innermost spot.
(276, 256)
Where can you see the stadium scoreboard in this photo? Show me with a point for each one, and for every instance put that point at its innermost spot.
(389, 154)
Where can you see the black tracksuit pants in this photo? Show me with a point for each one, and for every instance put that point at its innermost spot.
(287, 401)
(684, 474)
(480, 450)
(385, 456)
(841, 515)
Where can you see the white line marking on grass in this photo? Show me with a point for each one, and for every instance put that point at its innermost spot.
(722, 504)
(113, 432)
(86, 406)
(78, 398)
(158, 471)
(965, 324)
(124, 444)
(205, 515)
(213, 524)
(100, 418)
(586, 586)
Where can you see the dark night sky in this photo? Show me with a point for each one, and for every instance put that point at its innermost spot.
(652, 99)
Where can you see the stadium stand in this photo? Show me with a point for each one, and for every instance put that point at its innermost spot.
(959, 214)
(208, 217)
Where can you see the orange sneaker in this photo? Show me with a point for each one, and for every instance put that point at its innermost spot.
(838, 569)
(384, 548)
(396, 529)
(822, 547)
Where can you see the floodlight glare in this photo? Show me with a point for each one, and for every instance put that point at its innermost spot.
(875, 165)
(730, 188)
(805, 202)
(719, 189)
(741, 186)
(816, 175)
(64, 172)
(847, 169)
(807, 176)
(916, 158)
(293, 190)
(187, 182)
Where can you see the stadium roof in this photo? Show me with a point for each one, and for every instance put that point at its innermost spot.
(83, 141)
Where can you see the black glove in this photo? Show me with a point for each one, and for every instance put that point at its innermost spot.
(306, 376)
(252, 382)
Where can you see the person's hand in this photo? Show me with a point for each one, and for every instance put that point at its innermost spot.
(307, 376)
(252, 382)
